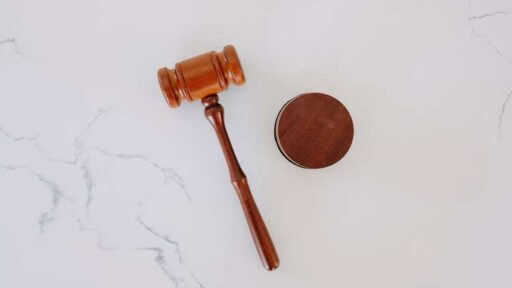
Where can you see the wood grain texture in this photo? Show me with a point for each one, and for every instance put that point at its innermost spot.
(314, 130)
(266, 250)
(200, 78)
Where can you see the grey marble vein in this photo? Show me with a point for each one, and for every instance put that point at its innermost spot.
(11, 41)
(490, 14)
(162, 257)
(164, 237)
(161, 260)
(57, 197)
(44, 220)
(17, 138)
(170, 261)
(89, 184)
(56, 193)
(79, 150)
(99, 236)
(502, 113)
(475, 34)
(31, 139)
(501, 54)
(167, 173)
(34, 142)
(199, 283)
(78, 143)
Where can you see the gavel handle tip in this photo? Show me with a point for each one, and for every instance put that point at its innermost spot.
(259, 232)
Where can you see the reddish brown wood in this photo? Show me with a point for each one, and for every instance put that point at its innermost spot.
(314, 130)
(201, 77)
(266, 250)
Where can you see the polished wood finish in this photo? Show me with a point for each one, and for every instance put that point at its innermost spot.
(202, 77)
(314, 130)
(266, 250)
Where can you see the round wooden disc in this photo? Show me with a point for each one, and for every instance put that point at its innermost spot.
(314, 130)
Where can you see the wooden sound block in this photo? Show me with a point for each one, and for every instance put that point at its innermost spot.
(314, 130)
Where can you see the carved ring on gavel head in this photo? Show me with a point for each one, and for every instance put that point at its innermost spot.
(200, 78)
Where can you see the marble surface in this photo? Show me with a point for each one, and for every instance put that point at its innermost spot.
(102, 185)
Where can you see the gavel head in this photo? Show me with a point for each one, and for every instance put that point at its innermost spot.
(200, 76)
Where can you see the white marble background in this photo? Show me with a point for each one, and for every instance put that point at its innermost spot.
(102, 185)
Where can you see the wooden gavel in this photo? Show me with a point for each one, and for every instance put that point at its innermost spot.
(200, 78)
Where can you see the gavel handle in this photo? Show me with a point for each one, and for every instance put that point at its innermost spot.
(214, 112)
